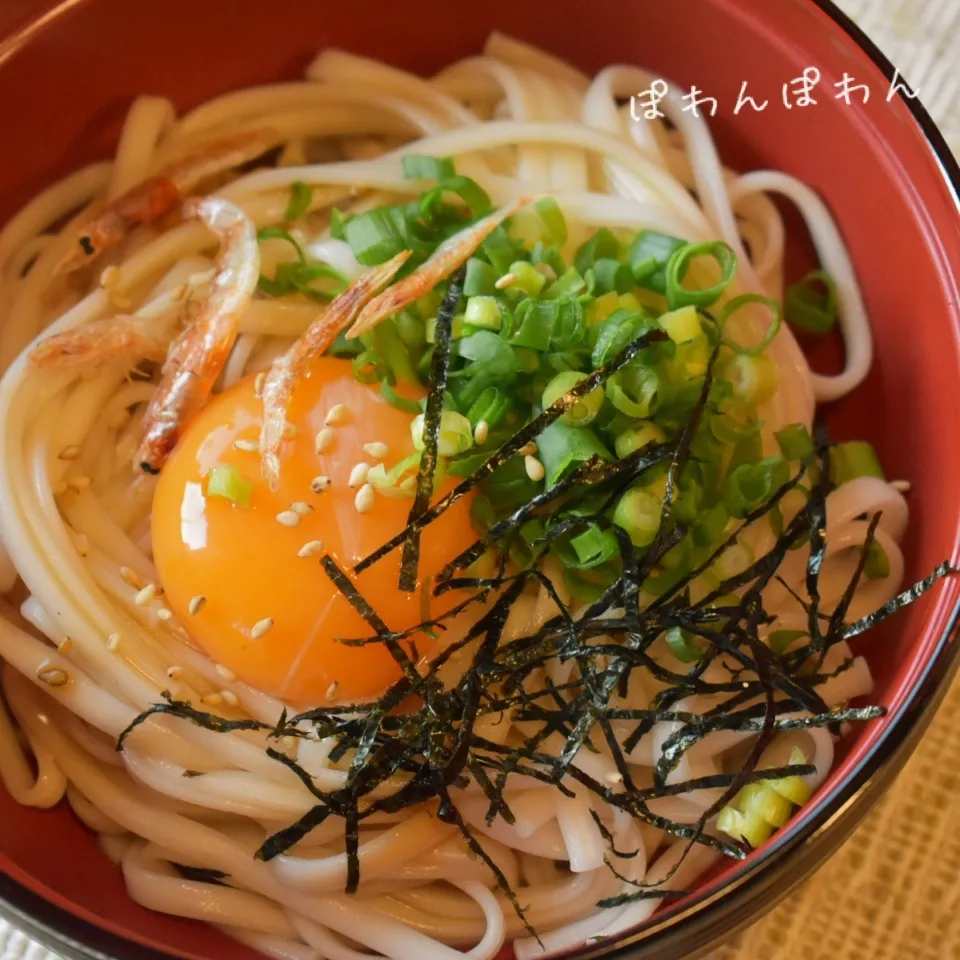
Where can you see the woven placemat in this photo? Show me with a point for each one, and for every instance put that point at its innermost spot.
(893, 891)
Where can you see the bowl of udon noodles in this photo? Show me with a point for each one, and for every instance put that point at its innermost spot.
(475, 481)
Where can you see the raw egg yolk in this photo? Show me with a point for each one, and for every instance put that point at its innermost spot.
(244, 563)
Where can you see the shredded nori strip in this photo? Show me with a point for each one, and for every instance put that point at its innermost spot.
(432, 417)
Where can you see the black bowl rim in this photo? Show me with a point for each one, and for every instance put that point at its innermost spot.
(712, 917)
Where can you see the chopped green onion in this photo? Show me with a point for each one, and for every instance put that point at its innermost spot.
(758, 799)
(638, 512)
(755, 380)
(711, 526)
(877, 564)
(634, 390)
(780, 641)
(491, 406)
(410, 329)
(492, 357)
(585, 410)
(851, 460)
(602, 245)
(480, 279)
(500, 250)
(619, 329)
(751, 484)
(299, 203)
(682, 646)
(338, 224)
(369, 367)
(681, 325)
(526, 278)
(568, 284)
(417, 166)
(396, 401)
(278, 233)
(593, 547)
(561, 448)
(680, 296)
(553, 220)
(226, 481)
(611, 275)
(469, 191)
(648, 257)
(810, 308)
(744, 826)
(377, 235)
(637, 437)
(483, 312)
(456, 434)
(737, 303)
(795, 442)
(795, 789)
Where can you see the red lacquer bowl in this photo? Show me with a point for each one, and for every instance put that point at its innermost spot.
(68, 72)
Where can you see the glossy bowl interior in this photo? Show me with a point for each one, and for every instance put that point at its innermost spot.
(68, 76)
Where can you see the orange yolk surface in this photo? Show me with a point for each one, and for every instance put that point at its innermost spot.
(244, 561)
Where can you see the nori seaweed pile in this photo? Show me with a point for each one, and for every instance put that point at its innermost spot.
(433, 747)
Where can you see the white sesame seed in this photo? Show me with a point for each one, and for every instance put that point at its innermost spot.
(311, 549)
(301, 508)
(319, 484)
(78, 483)
(376, 450)
(901, 486)
(53, 676)
(229, 697)
(505, 281)
(258, 383)
(289, 518)
(528, 449)
(364, 499)
(481, 432)
(119, 302)
(247, 446)
(60, 489)
(358, 475)
(261, 628)
(323, 440)
(174, 671)
(332, 690)
(113, 642)
(146, 595)
(110, 277)
(212, 700)
(337, 414)
(82, 542)
(131, 577)
(289, 431)
(534, 469)
(69, 453)
(613, 777)
(196, 604)
(289, 742)
(409, 485)
(66, 645)
(226, 672)
(180, 293)
(164, 614)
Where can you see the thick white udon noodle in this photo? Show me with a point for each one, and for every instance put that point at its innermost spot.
(518, 121)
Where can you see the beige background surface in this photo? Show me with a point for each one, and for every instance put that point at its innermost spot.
(893, 892)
